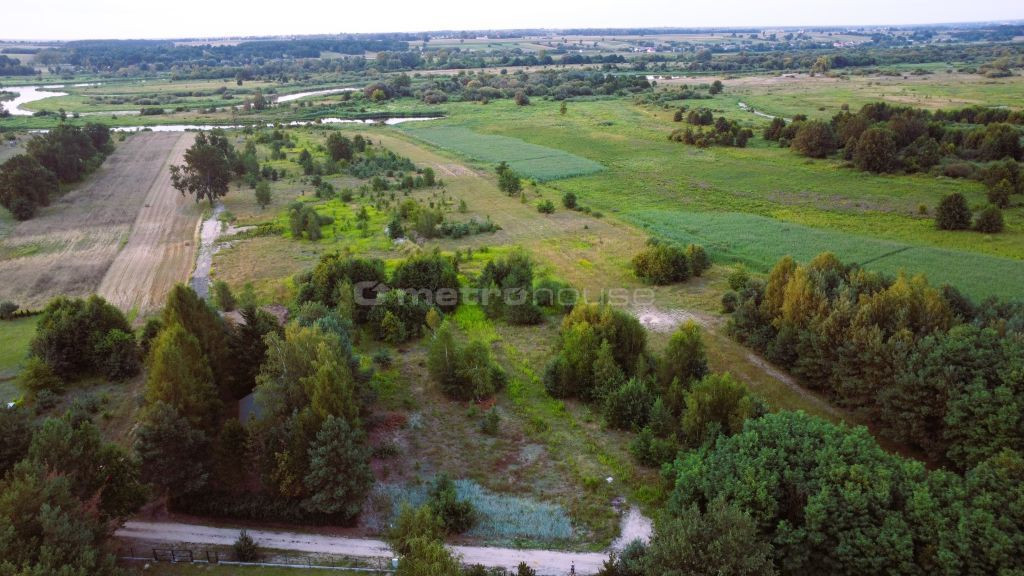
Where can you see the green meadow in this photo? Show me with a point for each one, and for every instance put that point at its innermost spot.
(751, 205)
(15, 336)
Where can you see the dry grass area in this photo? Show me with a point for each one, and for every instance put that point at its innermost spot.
(160, 250)
(71, 245)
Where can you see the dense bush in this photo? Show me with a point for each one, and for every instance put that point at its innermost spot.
(990, 220)
(953, 213)
(723, 132)
(397, 316)
(885, 138)
(575, 369)
(507, 289)
(815, 138)
(457, 516)
(70, 152)
(464, 373)
(721, 540)
(77, 338)
(333, 279)
(718, 405)
(431, 275)
(629, 406)
(662, 263)
(876, 150)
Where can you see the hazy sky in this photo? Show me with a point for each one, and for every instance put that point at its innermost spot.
(74, 19)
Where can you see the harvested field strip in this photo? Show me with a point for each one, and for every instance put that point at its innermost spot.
(759, 242)
(70, 245)
(530, 160)
(160, 251)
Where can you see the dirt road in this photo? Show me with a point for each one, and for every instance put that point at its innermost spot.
(545, 562)
(72, 244)
(160, 250)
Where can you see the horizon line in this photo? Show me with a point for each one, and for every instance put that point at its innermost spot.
(624, 30)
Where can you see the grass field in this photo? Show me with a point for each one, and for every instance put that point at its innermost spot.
(660, 185)
(14, 339)
(529, 160)
(822, 96)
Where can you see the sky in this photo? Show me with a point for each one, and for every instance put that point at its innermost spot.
(80, 19)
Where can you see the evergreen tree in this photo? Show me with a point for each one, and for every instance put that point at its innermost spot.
(339, 476)
(953, 213)
(180, 376)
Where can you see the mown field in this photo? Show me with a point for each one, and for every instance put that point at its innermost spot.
(72, 244)
(535, 162)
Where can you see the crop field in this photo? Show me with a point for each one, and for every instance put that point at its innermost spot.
(758, 242)
(529, 160)
(70, 247)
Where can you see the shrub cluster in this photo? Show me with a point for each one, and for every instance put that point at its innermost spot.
(663, 263)
(463, 372)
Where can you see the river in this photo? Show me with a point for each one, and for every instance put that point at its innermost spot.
(26, 94)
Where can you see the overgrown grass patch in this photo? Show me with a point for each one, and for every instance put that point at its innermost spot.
(499, 517)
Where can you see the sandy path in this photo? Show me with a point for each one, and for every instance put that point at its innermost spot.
(69, 247)
(546, 562)
(635, 526)
(666, 321)
(160, 250)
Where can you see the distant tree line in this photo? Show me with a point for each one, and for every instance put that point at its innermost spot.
(13, 67)
(557, 84)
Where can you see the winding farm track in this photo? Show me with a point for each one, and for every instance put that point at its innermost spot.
(545, 562)
(158, 254)
(127, 206)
